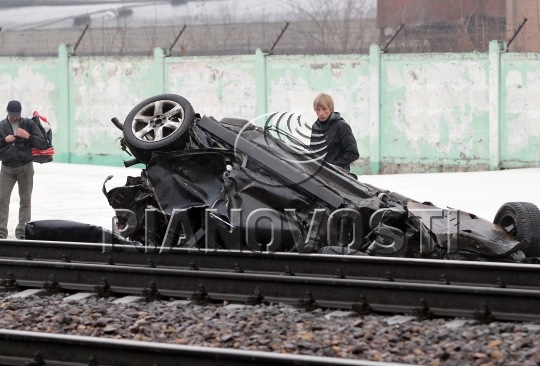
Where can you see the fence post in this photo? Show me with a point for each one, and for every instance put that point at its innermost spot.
(160, 71)
(261, 106)
(495, 50)
(64, 138)
(375, 108)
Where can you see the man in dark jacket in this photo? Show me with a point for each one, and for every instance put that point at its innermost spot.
(17, 137)
(331, 136)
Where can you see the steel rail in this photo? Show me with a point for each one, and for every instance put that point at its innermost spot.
(56, 349)
(381, 295)
(512, 275)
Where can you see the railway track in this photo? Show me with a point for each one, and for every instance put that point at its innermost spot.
(496, 291)
(366, 267)
(24, 348)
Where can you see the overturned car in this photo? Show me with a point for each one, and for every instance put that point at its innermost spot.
(229, 184)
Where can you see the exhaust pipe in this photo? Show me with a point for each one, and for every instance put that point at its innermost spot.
(117, 123)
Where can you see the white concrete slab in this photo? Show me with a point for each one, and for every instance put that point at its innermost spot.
(129, 300)
(79, 296)
(27, 293)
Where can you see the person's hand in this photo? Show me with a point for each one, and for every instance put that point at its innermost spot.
(10, 139)
(22, 133)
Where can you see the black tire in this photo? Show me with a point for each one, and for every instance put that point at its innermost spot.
(159, 123)
(522, 221)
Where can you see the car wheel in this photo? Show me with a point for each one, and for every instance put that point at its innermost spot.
(160, 123)
(522, 221)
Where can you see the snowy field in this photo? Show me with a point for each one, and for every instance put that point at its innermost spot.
(74, 192)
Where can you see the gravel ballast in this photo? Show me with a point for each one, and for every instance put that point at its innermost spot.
(282, 328)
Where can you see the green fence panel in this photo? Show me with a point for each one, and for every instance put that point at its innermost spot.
(409, 112)
(520, 106)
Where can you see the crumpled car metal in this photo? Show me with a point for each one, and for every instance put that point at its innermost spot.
(232, 185)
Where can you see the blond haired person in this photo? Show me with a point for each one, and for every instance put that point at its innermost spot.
(331, 135)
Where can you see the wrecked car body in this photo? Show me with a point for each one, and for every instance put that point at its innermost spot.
(228, 184)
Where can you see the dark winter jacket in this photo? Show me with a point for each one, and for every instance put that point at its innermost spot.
(338, 141)
(19, 153)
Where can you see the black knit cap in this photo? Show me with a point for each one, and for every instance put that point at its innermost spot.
(14, 108)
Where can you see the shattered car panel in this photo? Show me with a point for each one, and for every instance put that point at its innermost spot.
(230, 184)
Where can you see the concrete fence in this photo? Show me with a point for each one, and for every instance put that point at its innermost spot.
(409, 112)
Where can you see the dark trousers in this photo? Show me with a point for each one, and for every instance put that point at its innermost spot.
(24, 177)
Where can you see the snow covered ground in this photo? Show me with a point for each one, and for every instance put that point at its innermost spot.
(74, 192)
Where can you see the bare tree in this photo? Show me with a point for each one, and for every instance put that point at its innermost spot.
(342, 26)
